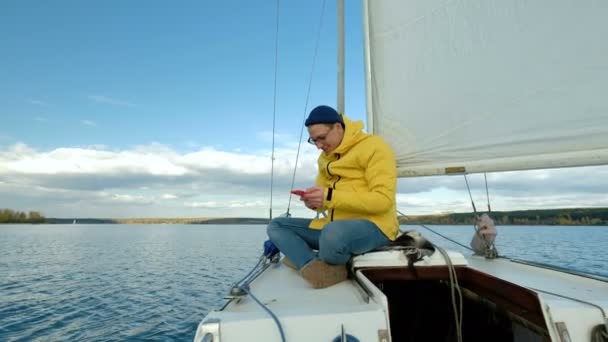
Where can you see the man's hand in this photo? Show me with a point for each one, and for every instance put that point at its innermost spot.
(313, 198)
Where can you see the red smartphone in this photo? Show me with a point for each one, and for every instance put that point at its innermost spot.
(298, 192)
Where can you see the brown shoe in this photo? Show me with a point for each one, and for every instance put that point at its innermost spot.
(289, 264)
(321, 275)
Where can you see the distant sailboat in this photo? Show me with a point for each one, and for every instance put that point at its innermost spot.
(74, 222)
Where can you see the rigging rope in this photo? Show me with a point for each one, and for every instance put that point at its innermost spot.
(443, 236)
(247, 290)
(454, 289)
(274, 103)
(312, 70)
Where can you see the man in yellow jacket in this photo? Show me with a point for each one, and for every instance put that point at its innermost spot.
(354, 192)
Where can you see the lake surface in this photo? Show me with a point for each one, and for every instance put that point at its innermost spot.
(156, 282)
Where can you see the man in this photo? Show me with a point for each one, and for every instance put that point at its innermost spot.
(355, 191)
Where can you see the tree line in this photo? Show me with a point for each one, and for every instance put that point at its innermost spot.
(575, 216)
(12, 216)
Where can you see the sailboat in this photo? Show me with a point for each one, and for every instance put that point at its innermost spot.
(456, 87)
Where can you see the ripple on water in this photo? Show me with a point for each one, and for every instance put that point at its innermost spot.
(155, 283)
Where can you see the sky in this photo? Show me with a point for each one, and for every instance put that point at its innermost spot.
(116, 109)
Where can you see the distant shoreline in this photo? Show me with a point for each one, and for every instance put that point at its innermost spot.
(219, 220)
(546, 217)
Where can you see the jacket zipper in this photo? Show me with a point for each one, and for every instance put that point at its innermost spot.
(331, 219)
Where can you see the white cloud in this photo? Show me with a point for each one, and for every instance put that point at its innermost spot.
(206, 204)
(120, 198)
(88, 123)
(38, 102)
(534, 189)
(40, 119)
(157, 181)
(109, 100)
(22, 160)
(120, 182)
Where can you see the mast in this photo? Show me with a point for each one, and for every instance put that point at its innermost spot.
(368, 67)
(340, 99)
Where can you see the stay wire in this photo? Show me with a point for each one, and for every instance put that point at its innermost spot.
(312, 71)
(487, 192)
(274, 104)
(470, 195)
(475, 228)
(255, 268)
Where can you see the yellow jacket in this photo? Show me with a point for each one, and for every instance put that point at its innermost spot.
(360, 180)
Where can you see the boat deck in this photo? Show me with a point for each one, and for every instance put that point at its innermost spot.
(554, 289)
(285, 292)
(322, 313)
(533, 277)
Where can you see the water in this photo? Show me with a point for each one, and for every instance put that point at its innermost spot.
(156, 282)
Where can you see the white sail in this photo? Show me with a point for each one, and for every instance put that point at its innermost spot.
(474, 86)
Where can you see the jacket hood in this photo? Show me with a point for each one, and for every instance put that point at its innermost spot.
(353, 134)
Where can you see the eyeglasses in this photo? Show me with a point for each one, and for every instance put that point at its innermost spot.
(320, 138)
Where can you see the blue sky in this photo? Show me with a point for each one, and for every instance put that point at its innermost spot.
(157, 109)
(175, 70)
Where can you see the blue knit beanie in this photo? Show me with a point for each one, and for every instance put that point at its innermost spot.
(323, 114)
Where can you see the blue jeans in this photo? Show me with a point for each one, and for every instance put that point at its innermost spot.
(336, 243)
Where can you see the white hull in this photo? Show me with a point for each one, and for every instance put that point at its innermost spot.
(361, 309)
